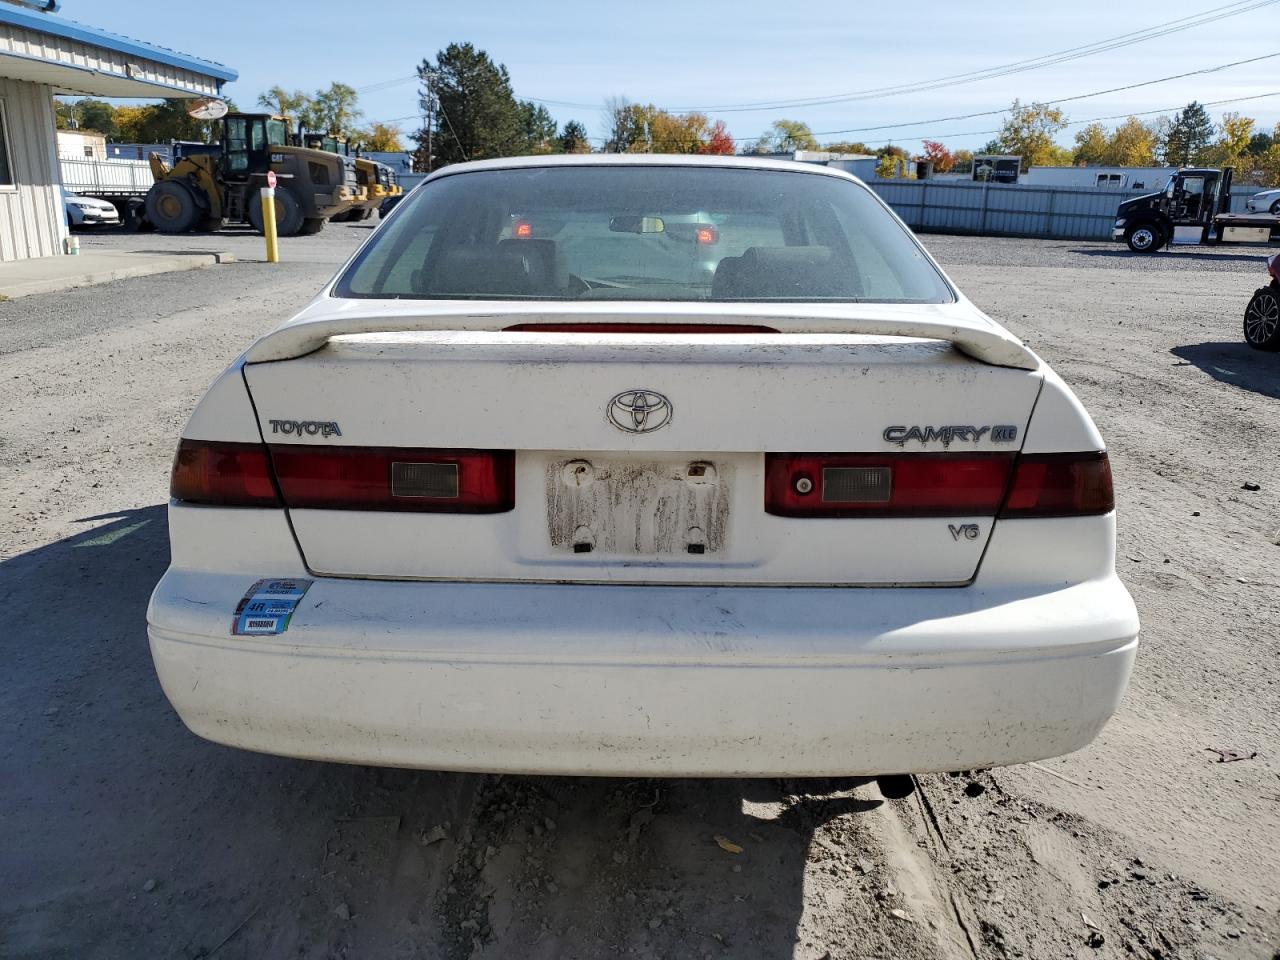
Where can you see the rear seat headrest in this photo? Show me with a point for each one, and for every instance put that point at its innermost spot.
(779, 272)
(550, 262)
(510, 268)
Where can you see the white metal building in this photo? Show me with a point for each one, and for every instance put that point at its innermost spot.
(41, 55)
(82, 144)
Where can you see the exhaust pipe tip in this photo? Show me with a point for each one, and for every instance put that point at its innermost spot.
(896, 786)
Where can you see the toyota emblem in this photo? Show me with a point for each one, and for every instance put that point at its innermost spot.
(639, 411)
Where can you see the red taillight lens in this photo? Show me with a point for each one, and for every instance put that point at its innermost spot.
(388, 478)
(226, 474)
(1060, 485)
(885, 485)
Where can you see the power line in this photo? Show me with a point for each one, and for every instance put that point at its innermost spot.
(992, 113)
(987, 133)
(1081, 96)
(456, 138)
(1021, 66)
(976, 133)
(386, 84)
(988, 73)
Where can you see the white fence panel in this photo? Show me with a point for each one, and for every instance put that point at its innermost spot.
(1014, 210)
(109, 177)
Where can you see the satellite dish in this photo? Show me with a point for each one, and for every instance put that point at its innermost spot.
(207, 109)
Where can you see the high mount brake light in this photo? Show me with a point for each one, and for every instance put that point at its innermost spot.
(639, 328)
(1060, 485)
(344, 478)
(397, 479)
(226, 474)
(938, 484)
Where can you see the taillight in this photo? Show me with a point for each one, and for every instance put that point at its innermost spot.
(938, 484)
(226, 474)
(1060, 485)
(387, 478)
(885, 485)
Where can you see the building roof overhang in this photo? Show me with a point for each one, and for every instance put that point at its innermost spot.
(75, 59)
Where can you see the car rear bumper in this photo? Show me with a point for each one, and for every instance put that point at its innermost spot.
(658, 681)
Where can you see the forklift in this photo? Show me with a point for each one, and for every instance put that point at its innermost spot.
(1191, 209)
(208, 184)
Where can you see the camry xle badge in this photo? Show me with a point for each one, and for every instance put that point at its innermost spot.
(1001, 433)
(639, 411)
(312, 428)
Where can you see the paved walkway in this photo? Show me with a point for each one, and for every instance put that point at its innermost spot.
(21, 278)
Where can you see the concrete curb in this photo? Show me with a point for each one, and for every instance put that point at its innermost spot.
(17, 279)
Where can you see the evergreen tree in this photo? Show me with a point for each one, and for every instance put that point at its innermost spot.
(474, 113)
(1188, 136)
(538, 127)
(573, 139)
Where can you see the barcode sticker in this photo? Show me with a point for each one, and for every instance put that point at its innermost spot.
(268, 606)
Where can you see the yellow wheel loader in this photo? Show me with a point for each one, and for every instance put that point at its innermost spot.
(375, 192)
(368, 181)
(209, 184)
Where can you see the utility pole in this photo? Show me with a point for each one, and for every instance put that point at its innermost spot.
(430, 103)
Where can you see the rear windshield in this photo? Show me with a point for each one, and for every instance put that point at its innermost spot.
(643, 233)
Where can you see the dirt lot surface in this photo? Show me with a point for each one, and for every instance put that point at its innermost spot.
(125, 836)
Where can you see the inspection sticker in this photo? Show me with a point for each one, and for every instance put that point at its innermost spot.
(265, 610)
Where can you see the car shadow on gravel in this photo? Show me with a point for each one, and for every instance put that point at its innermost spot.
(1237, 364)
(126, 835)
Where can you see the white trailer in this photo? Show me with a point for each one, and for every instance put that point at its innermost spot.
(1152, 179)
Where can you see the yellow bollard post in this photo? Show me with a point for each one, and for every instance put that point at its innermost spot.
(269, 224)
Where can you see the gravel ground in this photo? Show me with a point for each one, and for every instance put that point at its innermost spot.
(125, 836)
(1090, 255)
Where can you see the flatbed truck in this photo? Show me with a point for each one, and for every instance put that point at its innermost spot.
(1192, 208)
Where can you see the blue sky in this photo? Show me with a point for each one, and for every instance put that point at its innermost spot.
(709, 53)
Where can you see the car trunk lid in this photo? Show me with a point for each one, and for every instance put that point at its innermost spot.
(642, 457)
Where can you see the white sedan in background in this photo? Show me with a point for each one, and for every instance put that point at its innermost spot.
(524, 491)
(1265, 201)
(85, 211)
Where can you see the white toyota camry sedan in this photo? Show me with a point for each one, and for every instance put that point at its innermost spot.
(643, 465)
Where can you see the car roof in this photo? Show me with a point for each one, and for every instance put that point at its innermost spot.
(641, 160)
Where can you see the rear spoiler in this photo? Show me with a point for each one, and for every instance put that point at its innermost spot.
(961, 325)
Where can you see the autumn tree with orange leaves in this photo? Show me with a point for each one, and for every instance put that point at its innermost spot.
(718, 140)
(943, 159)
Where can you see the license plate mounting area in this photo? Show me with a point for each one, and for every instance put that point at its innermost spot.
(638, 508)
